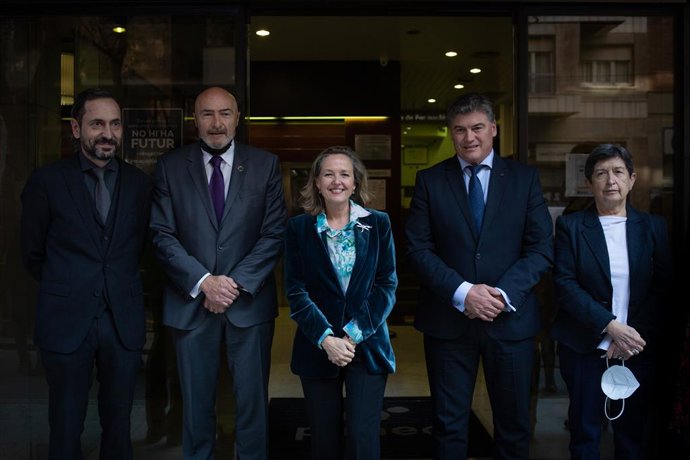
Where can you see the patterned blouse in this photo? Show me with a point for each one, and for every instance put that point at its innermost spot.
(341, 251)
(341, 243)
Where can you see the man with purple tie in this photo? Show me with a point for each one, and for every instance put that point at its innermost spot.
(217, 224)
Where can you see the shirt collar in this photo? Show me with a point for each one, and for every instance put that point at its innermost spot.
(488, 161)
(87, 165)
(356, 212)
(228, 156)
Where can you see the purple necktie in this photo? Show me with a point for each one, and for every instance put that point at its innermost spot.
(217, 187)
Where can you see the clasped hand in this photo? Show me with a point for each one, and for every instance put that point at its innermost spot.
(220, 292)
(340, 351)
(627, 342)
(483, 302)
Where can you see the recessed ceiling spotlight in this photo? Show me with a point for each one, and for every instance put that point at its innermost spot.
(263, 33)
(459, 86)
(120, 25)
(475, 70)
(451, 53)
(431, 101)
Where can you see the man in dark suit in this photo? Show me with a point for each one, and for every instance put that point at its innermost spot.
(478, 249)
(82, 239)
(218, 220)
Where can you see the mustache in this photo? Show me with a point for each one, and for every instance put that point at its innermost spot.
(105, 140)
(217, 131)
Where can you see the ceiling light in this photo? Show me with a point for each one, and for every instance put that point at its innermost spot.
(431, 101)
(475, 70)
(263, 33)
(459, 86)
(451, 53)
(120, 25)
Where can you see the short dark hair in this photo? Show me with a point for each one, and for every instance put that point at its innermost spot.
(468, 103)
(604, 152)
(86, 96)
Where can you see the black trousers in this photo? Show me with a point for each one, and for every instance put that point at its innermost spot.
(452, 367)
(69, 379)
(248, 355)
(631, 432)
(360, 407)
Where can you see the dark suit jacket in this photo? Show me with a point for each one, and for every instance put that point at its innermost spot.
(513, 251)
(582, 277)
(317, 301)
(246, 246)
(62, 249)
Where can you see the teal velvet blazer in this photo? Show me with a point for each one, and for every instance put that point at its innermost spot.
(317, 302)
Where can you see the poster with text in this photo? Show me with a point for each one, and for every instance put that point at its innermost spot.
(149, 133)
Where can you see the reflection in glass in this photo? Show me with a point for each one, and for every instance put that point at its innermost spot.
(592, 80)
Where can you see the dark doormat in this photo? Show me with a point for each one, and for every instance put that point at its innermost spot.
(405, 430)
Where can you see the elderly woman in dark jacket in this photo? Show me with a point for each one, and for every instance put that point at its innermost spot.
(611, 272)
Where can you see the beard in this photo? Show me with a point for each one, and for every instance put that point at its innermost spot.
(217, 143)
(93, 150)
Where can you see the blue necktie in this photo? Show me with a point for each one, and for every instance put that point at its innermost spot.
(476, 195)
(217, 187)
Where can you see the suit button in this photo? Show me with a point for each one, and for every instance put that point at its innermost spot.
(105, 237)
(477, 256)
(220, 248)
(96, 293)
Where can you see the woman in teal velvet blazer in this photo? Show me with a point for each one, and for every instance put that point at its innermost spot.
(340, 281)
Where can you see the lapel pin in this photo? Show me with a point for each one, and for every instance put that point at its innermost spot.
(240, 168)
(362, 226)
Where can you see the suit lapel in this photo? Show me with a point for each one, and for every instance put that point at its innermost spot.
(497, 188)
(635, 230)
(498, 184)
(74, 178)
(456, 184)
(239, 172)
(362, 236)
(126, 199)
(323, 249)
(197, 173)
(594, 236)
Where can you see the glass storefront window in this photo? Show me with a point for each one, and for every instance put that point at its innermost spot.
(155, 65)
(605, 86)
(590, 79)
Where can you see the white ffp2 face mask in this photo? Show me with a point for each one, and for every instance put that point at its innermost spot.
(617, 382)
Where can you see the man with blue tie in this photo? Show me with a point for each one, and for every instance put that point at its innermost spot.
(217, 225)
(479, 236)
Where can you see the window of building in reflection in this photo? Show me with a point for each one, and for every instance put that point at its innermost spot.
(601, 79)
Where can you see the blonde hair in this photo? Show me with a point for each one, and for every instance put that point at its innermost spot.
(311, 200)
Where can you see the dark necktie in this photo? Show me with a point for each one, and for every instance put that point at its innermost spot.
(217, 187)
(101, 194)
(476, 195)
